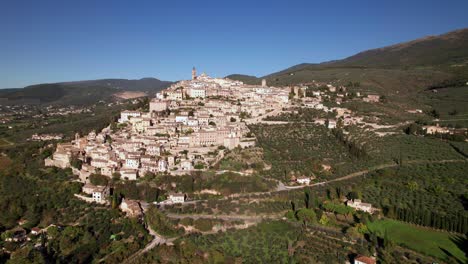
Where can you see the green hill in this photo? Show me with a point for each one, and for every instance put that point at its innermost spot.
(435, 61)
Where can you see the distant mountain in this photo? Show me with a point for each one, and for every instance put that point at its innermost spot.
(396, 69)
(248, 79)
(143, 85)
(79, 92)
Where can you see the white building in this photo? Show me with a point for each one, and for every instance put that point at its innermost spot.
(181, 119)
(132, 163)
(359, 205)
(331, 124)
(126, 115)
(98, 193)
(197, 93)
(162, 165)
(177, 198)
(303, 180)
(130, 175)
(158, 105)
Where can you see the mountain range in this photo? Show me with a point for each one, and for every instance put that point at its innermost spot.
(80, 92)
(402, 68)
(399, 70)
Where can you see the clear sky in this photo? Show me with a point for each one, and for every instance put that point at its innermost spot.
(65, 40)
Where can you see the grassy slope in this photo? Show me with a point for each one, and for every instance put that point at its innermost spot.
(423, 240)
(447, 100)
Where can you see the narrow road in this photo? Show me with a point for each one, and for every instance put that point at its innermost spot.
(282, 187)
(157, 240)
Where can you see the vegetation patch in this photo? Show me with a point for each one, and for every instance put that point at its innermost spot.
(442, 245)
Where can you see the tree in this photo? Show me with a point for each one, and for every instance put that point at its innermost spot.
(306, 216)
(98, 179)
(324, 220)
(434, 113)
(307, 198)
(414, 129)
(76, 163)
(386, 240)
(116, 176)
(352, 195)
(338, 192)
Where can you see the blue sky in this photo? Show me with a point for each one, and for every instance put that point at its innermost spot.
(51, 41)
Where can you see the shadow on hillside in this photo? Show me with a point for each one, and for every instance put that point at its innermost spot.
(462, 243)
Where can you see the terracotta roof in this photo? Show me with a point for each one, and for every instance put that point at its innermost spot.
(365, 259)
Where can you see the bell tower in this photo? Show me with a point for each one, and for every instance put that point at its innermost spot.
(194, 73)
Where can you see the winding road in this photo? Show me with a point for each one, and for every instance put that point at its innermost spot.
(157, 240)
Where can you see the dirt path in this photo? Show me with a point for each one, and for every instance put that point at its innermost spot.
(226, 217)
(157, 240)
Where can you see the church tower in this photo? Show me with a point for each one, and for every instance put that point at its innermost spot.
(194, 73)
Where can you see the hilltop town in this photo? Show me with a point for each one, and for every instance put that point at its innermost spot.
(188, 125)
(219, 157)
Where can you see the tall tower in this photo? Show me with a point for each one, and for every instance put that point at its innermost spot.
(194, 73)
(264, 83)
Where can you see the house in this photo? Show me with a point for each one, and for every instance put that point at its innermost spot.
(331, 124)
(17, 235)
(35, 231)
(371, 98)
(359, 205)
(186, 165)
(364, 260)
(162, 165)
(132, 162)
(177, 198)
(158, 105)
(126, 115)
(98, 193)
(131, 208)
(435, 130)
(22, 222)
(129, 174)
(303, 180)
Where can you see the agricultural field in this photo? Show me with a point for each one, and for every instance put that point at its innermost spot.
(451, 104)
(302, 149)
(4, 142)
(442, 245)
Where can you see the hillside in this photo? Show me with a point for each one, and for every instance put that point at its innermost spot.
(399, 69)
(450, 49)
(143, 85)
(80, 92)
(248, 79)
